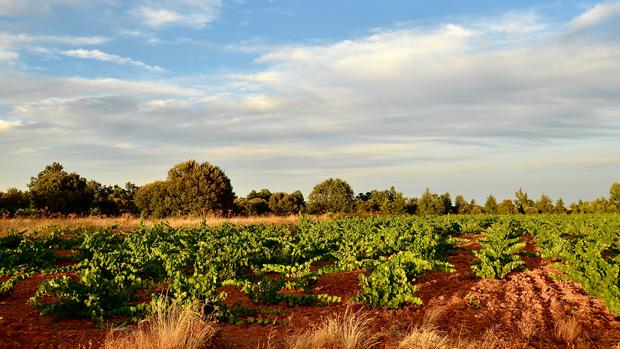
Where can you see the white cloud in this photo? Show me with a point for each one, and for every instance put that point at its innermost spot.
(106, 57)
(11, 44)
(7, 125)
(189, 13)
(467, 102)
(601, 12)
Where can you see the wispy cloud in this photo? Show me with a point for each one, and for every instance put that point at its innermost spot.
(106, 57)
(188, 13)
(12, 43)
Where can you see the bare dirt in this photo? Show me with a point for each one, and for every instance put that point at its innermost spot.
(523, 311)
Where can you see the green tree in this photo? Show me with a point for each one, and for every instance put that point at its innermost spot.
(153, 200)
(283, 204)
(507, 207)
(197, 189)
(614, 195)
(12, 200)
(461, 206)
(522, 201)
(388, 201)
(430, 203)
(559, 206)
(251, 207)
(331, 196)
(545, 205)
(57, 191)
(264, 194)
(490, 206)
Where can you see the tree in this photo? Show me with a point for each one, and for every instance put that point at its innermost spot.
(490, 206)
(153, 200)
(522, 201)
(331, 196)
(461, 206)
(559, 206)
(388, 201)
(614, 195)
(251, 207)
(264, 194)
(57, 191)
(13, 200)
(545, 205)
(430, 203)
(474, 208)
(283, 204)
(507, 207)
(197, 189)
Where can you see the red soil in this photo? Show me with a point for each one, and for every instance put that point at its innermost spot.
(522, 311)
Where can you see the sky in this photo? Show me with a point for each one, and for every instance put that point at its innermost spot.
(470, 97)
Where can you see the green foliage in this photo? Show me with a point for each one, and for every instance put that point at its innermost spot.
(283, 204)
(588, 249)
(390, 284)
(433, 204)
(386, 201)
(331, 196)
(190, 189)
(614, 196)
(56, 191)
(499, 251)
(490, 205)
(14, 200)
(251, 207)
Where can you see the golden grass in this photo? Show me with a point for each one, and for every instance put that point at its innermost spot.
(131, 223)
(349, 330)
(568, 330)
(425, 337)
(169, 326)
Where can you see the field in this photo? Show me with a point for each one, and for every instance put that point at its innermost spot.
(472, 281)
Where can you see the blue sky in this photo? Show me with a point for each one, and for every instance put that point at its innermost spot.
(471, 97)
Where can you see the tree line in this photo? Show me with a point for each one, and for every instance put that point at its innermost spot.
(200, 189)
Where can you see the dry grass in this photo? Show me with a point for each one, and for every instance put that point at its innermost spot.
(345, 331)
(568, 330)
(131, 223)
(170, 326)
(425, 337)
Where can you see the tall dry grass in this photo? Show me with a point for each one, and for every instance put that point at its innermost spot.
(349, 330)
(130, 223)
(169, 326)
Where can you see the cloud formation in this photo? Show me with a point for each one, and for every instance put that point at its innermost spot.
(455, 103)
(189, 13)
(106, 57)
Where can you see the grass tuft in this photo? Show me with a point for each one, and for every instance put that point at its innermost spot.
(170, 325)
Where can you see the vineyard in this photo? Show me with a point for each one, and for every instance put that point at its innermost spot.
(253, 275)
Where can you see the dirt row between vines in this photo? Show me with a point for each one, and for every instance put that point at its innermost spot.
(527, 309)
